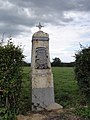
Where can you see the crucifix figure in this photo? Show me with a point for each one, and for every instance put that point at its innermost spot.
(39, 26)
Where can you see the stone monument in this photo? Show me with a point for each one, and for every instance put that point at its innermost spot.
(42, 77)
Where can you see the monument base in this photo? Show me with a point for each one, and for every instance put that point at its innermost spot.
(42, 97)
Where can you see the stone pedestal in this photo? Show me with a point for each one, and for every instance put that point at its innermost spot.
(42, 77)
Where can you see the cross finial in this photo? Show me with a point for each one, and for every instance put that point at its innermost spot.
(39, 26)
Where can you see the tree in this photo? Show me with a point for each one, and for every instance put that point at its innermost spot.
(82, 70)
(56, 62)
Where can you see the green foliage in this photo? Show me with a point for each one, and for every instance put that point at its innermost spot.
(25, 64)
(56, 62)
(82, 71)
(10, 80)
(83, 112)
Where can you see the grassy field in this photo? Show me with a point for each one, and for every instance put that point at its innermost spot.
(65, 87)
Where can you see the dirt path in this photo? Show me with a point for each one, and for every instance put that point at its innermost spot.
(51, 115)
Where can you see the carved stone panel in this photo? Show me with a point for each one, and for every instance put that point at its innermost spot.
(41, 58)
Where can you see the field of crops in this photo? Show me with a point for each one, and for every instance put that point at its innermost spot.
(65, 86)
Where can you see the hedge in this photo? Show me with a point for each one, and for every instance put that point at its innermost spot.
(82, 71)
(10, 80)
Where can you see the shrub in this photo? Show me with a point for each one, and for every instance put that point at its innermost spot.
(10, 80)
(82, 70)
(83, 112)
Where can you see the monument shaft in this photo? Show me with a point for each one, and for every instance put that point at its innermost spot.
(42, 77)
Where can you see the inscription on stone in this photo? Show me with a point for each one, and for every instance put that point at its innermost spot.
(41, 58)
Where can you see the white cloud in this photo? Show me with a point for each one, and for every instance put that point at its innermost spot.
(64, 41)
(66, 22)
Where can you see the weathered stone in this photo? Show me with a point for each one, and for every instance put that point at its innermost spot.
(54, 106)
(41, 58)
(41, 97)
(42, 77)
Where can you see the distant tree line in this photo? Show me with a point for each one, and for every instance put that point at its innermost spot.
(56, 63)
(26, 64)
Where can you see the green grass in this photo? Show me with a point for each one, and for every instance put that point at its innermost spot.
(84, 112)
(25, 104)
(65, 86)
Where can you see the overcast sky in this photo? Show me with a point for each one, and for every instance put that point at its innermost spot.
(66, 21)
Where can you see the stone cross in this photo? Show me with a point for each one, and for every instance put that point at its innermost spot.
(39, 26)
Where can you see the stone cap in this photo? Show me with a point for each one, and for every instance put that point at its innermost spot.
(40, 35)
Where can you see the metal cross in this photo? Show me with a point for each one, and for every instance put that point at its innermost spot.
(39, 26)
